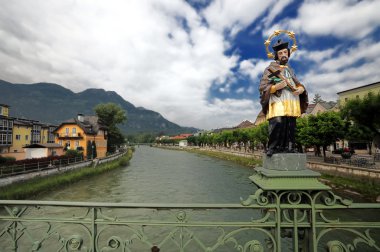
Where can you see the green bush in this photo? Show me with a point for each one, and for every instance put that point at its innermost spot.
(7, 160)
(73, 153)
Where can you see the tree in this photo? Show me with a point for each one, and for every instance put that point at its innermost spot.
(94, 152)
(358, 132)
(89, 150)
(364, 112)
(111, 115)
(320, 130)
(317, 99)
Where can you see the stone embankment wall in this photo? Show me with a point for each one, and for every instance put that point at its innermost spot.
(26, 176)
(345, 170)
(325, 168)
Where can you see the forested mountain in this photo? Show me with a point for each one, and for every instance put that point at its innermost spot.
(52, 103)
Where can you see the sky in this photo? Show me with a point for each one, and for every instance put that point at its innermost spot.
(196, 62)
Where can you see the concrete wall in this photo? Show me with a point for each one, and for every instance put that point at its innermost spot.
(345, 171)
(35, 152)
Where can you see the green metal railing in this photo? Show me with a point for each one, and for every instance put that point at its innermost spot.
(266, 221)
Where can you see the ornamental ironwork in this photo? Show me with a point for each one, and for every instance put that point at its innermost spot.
(265, 221)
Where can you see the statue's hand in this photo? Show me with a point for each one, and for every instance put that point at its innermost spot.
(280, 85)
(298, 91)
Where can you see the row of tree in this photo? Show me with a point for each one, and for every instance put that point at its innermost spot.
(358, 120)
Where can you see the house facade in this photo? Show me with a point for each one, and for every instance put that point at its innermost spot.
(17, 133)
(83, 133)
(358, 92)
(6, 129)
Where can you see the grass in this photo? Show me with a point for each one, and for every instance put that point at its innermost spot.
(368, 188)
(34, 186)
(246, 161)
(251, 162)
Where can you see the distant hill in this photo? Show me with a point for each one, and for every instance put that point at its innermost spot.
(52, 103)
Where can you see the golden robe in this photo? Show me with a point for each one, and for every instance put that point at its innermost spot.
(282, 102)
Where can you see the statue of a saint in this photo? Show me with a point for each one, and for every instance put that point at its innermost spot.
(283, 98)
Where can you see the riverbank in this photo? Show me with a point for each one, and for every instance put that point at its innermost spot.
(38, 185)
(242, 160)
(364, 188)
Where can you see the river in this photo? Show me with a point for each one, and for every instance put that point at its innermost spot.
(154, 174)
(165, 176)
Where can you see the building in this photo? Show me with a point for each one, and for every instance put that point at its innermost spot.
(6, 129)
(43, 150)
(320, 107)
(358, 92)
(261, 118)
(81, 134)
(17, 133)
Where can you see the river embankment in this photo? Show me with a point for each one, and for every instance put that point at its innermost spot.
(355, 186)
(30, 188)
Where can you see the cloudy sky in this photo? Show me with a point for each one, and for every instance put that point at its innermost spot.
(197, 62)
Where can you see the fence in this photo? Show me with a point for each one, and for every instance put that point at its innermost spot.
(17, 169)
(266, 221)
(365, 162)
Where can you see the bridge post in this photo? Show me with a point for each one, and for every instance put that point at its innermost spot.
(285, 181)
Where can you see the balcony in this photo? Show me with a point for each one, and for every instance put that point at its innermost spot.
(70, 136)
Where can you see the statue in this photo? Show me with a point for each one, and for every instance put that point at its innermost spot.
(282, 96)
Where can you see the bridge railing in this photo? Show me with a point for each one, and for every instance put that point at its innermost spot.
(266, 221)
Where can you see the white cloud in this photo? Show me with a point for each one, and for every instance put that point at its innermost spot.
(136, 48)
(366, 49)
(317, 56)
(254, 68)
(343, 19)
(232, 15)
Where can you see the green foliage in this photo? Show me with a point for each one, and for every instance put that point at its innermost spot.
(364, 112)
(317, 98)
(141, 138)
(366, 187)
(89, 150)
(247, 138)
(93, 146)
(318, 130)
(251, 162)
(111, 115)
(6, 160)
(73, 154)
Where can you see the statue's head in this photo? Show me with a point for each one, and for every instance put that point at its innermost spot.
(281, 51)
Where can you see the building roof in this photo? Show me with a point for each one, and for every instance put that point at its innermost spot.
(245, 124)
(46, 145)
(4, 105)
(90, 124)
(328, 105)
(372, 84)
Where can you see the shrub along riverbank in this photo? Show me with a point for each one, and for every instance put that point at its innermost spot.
(34, 186)
(368, 189)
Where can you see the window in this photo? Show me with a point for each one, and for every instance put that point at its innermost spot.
(18, 137)
(67, 131)
(74, 130)
(60, 142)
(26, 137)
(76, 143)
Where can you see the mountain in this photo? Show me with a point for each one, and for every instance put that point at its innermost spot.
(52, 103)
